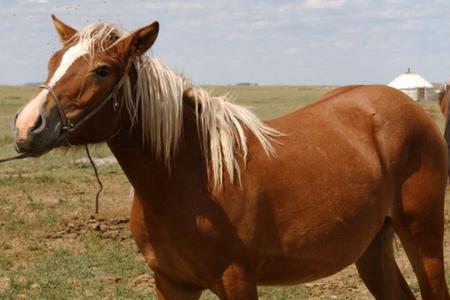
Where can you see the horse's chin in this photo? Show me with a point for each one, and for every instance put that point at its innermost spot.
(60, 141)
(33, 153)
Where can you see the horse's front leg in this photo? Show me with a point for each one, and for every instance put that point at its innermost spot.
(236, 283)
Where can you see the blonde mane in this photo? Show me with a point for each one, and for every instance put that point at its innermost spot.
(157, 107)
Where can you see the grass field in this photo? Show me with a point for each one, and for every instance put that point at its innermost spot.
(52, 248)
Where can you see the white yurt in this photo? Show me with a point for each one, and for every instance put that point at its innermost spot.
(413, 85)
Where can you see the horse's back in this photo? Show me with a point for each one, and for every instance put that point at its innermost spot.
(375, 129)
(387, 117)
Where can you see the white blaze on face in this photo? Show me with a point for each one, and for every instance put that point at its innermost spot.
(30, 113)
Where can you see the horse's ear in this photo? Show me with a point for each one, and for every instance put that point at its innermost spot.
(64, 31)
(138, 42)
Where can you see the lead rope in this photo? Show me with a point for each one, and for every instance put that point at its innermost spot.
(20, 156)
(100, 184)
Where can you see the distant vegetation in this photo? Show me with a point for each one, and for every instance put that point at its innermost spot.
(32, 83)
(247, 84)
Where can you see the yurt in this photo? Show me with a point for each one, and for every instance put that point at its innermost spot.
(413, 85)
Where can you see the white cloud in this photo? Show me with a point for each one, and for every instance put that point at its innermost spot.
(189, 24)
(175, 6)
(323, 4)
(38, 1)
(293, 50)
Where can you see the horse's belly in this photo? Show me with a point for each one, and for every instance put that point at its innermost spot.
(319, 242)
(308, 265)
(313, 260)
(286, 271)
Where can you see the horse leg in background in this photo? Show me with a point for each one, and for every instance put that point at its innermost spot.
(418, 219)
(379, 271)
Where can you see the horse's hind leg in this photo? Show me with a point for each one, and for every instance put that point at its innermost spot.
(418, 219)
(379, 271)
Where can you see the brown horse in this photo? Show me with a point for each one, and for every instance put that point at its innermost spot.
(226, 202)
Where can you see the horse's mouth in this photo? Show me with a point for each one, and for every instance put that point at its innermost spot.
(39, 151)
(31, 153)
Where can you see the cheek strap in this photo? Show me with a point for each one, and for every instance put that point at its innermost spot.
(68, 125)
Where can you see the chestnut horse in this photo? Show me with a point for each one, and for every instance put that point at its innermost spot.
(226, 202)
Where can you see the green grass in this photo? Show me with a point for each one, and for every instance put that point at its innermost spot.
(67, 273)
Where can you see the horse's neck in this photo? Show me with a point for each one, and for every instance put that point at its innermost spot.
(151, 178)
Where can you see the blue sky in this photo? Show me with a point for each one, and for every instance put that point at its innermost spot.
(230, 41)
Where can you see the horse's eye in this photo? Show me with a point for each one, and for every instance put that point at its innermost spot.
(102, 71)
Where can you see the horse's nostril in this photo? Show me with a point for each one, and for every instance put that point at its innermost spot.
(22, 145)
(15, 120)
(39, 125)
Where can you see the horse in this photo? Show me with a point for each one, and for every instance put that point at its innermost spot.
(226, 202)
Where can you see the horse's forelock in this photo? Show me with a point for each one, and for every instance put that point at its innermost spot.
(99, 36)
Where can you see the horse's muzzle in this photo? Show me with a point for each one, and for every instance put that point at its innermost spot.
(40, 137)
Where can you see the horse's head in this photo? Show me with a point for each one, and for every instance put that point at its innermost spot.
(83, 77)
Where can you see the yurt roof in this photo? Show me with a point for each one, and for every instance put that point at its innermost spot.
(409, 80)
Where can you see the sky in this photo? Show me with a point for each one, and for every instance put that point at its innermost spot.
(230, 41)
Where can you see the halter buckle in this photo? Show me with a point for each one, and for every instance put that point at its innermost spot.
(115, 101)
(69, 127)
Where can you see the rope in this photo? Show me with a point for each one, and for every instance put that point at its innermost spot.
(100, 184)
(20, 156)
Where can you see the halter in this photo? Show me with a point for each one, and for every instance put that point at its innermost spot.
(70, 126)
